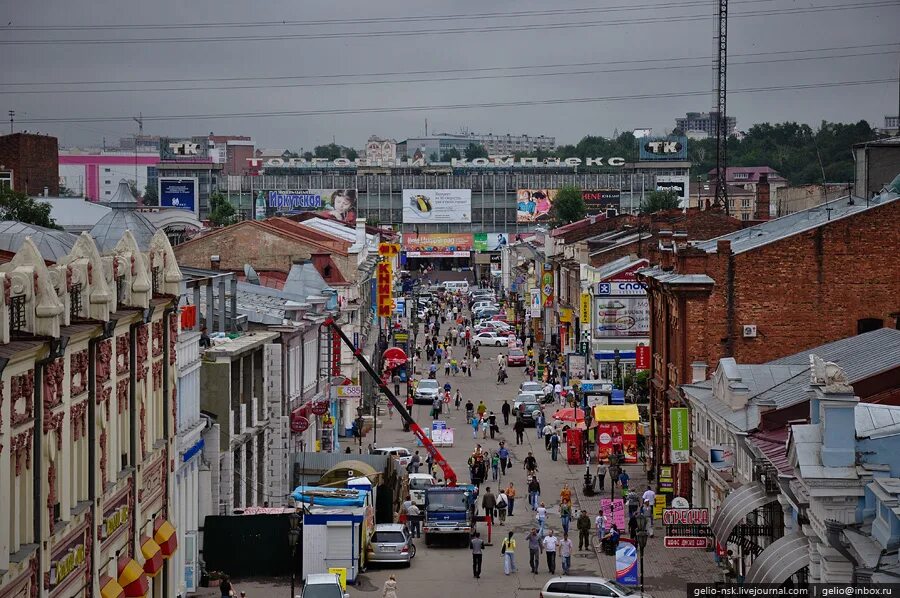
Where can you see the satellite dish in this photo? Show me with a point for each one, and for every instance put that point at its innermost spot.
(250, 274)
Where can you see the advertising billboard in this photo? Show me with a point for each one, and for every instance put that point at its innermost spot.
(547, 285)
(598, 201)
(427, 206)
(679, 434)
(172, 149)
(617, 437)
(663, 148)
(438, 244)
(485, 242)
(178, 193)
(339, 204)
(622, 316)
(533, 205)
(680, 184)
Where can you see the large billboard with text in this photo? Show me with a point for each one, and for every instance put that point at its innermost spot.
(485, 242)
(534, 205)
(663, 148)
(598, 201)
(680, 184)
(432, 206)
(438, 244)
(339, 204)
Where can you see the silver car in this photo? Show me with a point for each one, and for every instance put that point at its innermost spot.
(587, 587)
(391, 543)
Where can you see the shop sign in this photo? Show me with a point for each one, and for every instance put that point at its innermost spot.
(585, 315)
(496, 161)
(384, 280)
(618, 288)
(346, 391)
(565, 315)
(115, 520)
(721, 457)
(679, 434)
(319, 407)
(388, 249)
(67, 559)
(642, 357)
(686, 517)
(299, 424)
(547, 285)
(685, 542)
(666, 484)
(659, 505)
(663, 148)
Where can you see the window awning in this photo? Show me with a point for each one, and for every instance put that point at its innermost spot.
(164, 535)
(132, 578)
(736, 506)
(780, 560)
(153, 558)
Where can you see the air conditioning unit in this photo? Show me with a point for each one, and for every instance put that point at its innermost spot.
(749, 330)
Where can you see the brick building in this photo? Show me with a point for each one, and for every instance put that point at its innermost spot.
(767, 291)
(32, 161)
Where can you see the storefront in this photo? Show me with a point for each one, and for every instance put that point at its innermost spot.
(70, 574)
(617, 431)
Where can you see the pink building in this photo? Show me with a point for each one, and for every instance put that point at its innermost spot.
(96, 176)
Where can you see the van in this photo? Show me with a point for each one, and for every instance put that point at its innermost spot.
(454, 286)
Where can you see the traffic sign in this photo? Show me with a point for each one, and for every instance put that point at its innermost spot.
(584, 347)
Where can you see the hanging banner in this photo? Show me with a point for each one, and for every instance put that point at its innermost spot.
(547, 285)
(438, 244)
(585, 315)
(679, 440)
(384, 279)
(626, 564)
(642, 357)
(535, 303)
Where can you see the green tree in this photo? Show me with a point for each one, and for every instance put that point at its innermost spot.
(221, 212)
(659, 200)
(331, 151)
(568, 206)
(151, 198)
(351, 154)
(433, 157)
(451, 154)
(308, 156)
(18, 206)
(475, 150)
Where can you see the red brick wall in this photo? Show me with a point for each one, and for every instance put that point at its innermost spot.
(34, 160)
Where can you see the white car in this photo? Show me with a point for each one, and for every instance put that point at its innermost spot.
(426, 391)
(418, 482)
(401, 454)
(587, 587)
(528, 386)
(488, 338)
(323, 585)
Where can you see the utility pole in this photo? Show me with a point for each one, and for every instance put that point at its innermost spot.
(12, 118)
(721, 95)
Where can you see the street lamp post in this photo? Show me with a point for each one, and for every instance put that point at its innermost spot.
(642, 521)
(293, 538)
(614, 472)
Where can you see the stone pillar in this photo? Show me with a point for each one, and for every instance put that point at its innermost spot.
(222, 304)
(210, 308)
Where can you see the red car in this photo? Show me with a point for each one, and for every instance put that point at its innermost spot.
(515, 357)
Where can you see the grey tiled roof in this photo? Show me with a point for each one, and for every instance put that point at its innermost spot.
(786, 226)
(109, 230)
(670, 277)
(53, 244)
(877, 421)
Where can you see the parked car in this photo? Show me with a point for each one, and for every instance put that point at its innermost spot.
(586, 587)
(515, 357)
(426, 391)
(483, 304)
(401, 454)
(528, 386)
(525, 397)
(323, 585)
(527, 411)
(418, 482)
(391, 543)
(485, 312)
(488, 338)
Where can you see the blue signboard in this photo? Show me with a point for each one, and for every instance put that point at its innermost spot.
(626, 564)
(663, 148)
(178, 193)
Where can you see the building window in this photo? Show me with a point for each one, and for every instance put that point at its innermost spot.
(17, 313)
(155, 280)
(107, 182)
(75, 301)
(745, 203)
(106, 193)
(745, 216)
(107, 170)
(868, 325)
(741, 176)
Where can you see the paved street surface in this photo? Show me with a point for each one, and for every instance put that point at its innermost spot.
(446, 571)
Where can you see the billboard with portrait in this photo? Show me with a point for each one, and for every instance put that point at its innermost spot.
(432, 206)
(485, 242)
(339, 204)
(437, 244)
(598, 201)
(178, 193)
(534, 205)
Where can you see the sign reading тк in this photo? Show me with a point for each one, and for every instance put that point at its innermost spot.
(615, 162)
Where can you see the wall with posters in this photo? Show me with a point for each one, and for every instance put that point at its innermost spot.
(533, 205)
(340, 204)
(178, 193)
(598, 201)
(431, 206)
(679, 184)
(438, 244)
(485, 242)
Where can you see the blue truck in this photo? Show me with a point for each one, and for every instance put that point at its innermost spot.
(450, 513)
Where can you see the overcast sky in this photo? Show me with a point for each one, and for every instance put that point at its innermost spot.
(684, 31)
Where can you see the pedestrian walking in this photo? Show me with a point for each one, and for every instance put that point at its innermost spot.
(447, 367)
(505, 410)
(534, 550)
(554, 446)
(584, 530)
(485, 426)
(489, 503)
(390, 588)
(565, 552)
(623, 478)
(547, 434)
(632, 526)
(534, 492)
(492, 422)
(508, 550)
(477, 546)
(503, 453)
(565, 515)
(396, 380)
(541, 518)
(511, 497)
(414, 463)
(601, 474)
(649, 497)
(476, 421)
(519, 429)
(495, 466)
(600, 525)
(565, 494)
(551, 543)
(226, 589)
(633, 502)
(502, 506)
(412, 515)
(530, 464)
(458, 399)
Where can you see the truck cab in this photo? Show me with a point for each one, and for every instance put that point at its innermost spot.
(449, 512)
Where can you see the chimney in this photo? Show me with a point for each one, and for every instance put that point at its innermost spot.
(833, 405)
(762, 197)
(698, 372)
(723, 247)
(361, 232)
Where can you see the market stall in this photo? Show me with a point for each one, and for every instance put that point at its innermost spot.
(616, 431)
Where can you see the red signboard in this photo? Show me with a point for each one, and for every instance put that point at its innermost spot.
(642, 357)
(627, 275)
(686, 517)
(684, 542)
(320, 407)
(299, 424)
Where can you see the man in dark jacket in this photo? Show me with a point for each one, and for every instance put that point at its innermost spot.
(519, 429)
(583, 523)
(489, 503)
(505, 409)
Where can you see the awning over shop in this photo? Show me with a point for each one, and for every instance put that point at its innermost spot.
(110, 588)
(780, 560)
(164, 535)
(132, 578)
(736, 506)
(616, 413)
(153, 558)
